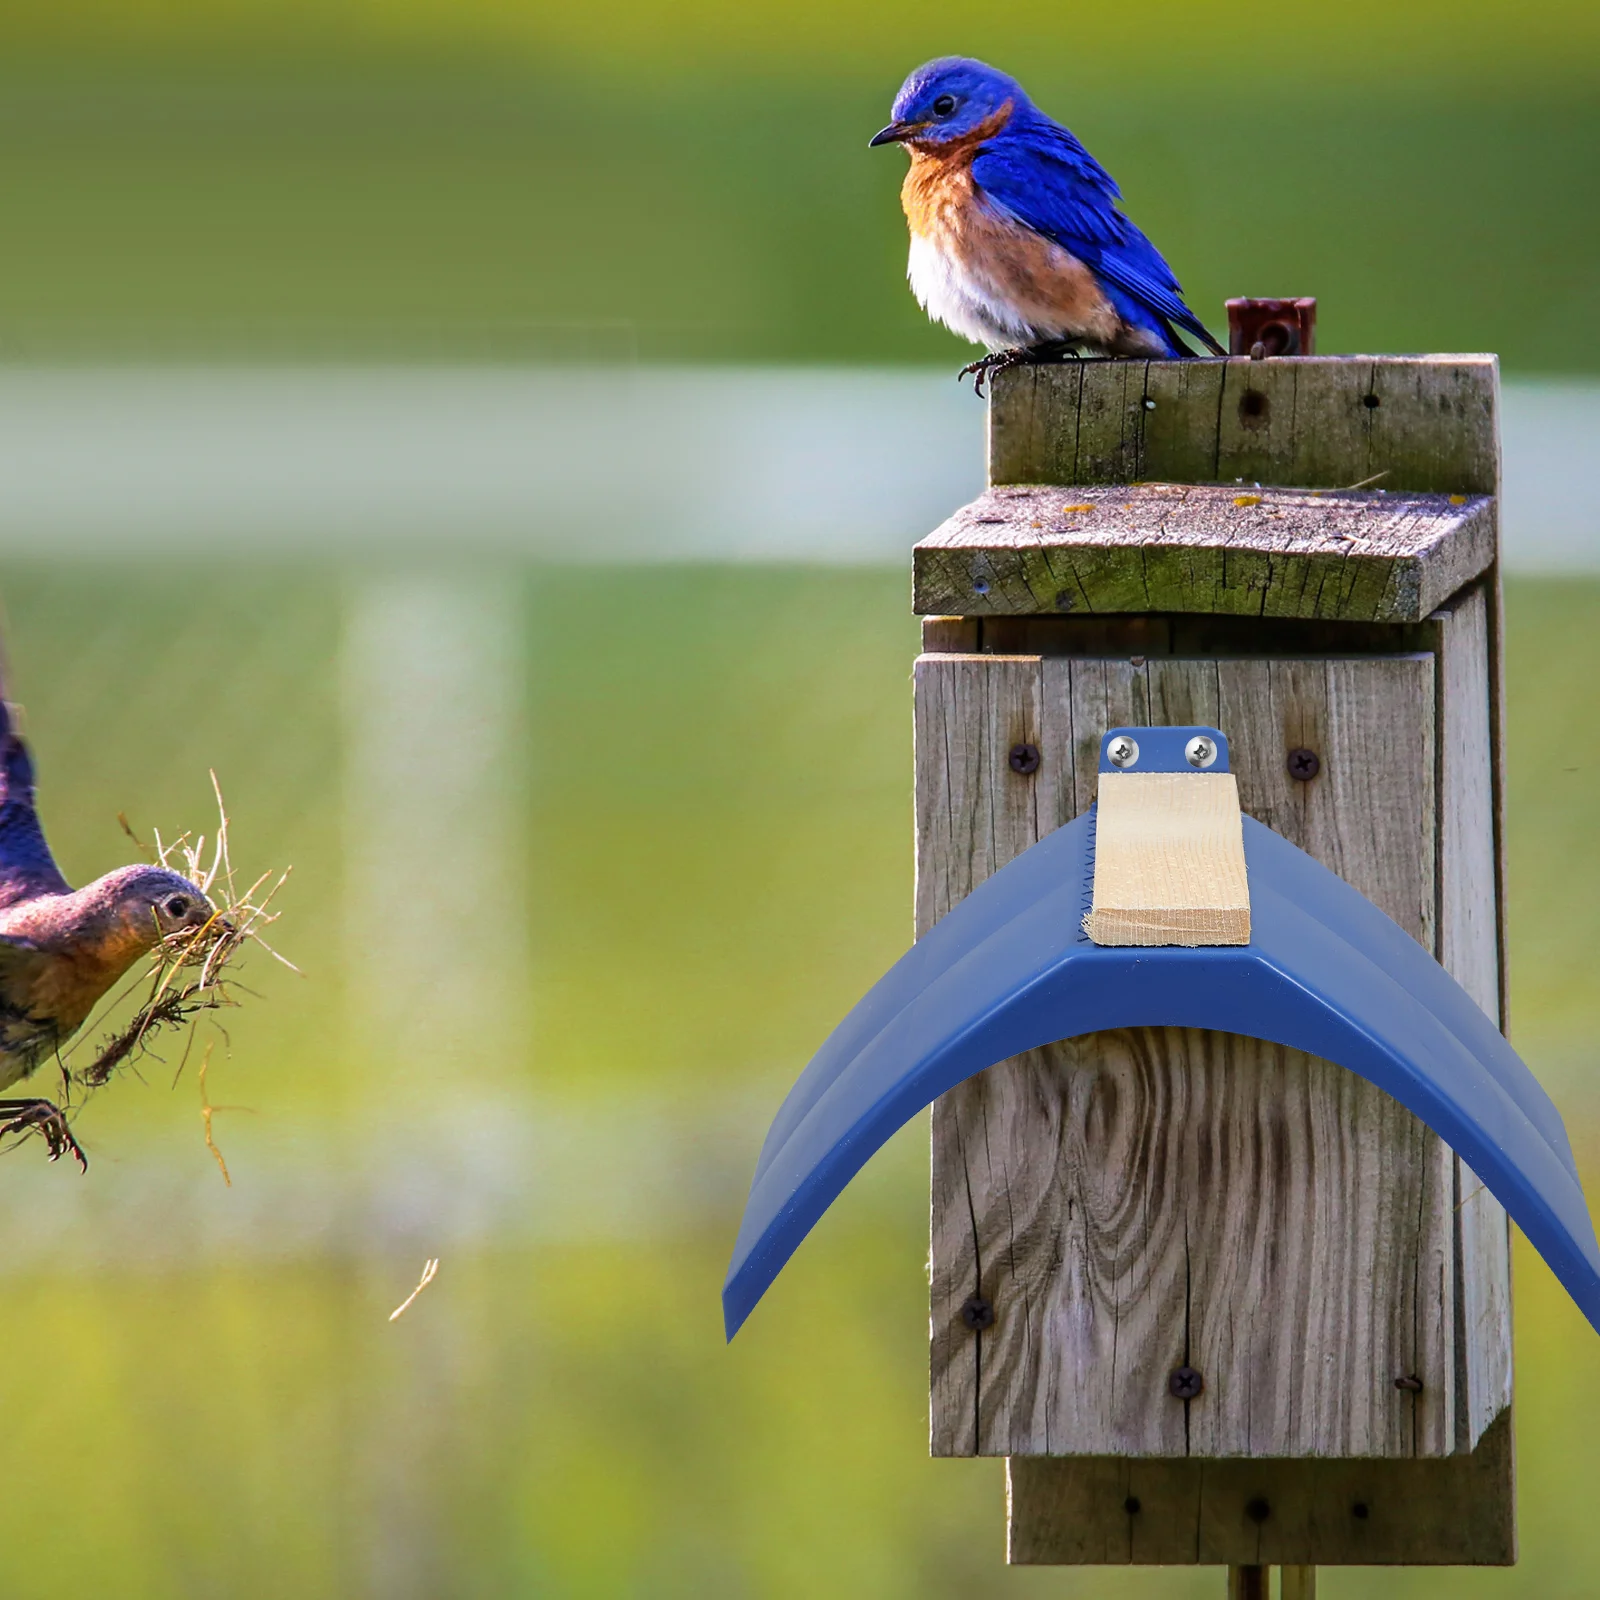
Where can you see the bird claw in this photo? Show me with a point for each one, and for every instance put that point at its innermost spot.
(998, 361)
(981, 370)
(49, 1121)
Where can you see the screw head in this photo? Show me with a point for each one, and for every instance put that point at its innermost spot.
(1024, 758)
(1304, 764)
(1200, 752)
(1184, 1383)
(1409, 1384)
(977, 1313)
(1122, 751)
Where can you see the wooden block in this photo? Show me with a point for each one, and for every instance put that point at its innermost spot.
(1355, 556)
(1111, 1511)
(1129, 1202)
(1168, 861)
(1425, 423)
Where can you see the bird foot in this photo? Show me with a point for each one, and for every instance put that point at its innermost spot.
(49, 1120)
(998, 361)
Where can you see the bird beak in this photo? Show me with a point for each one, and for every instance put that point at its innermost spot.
(896, 133)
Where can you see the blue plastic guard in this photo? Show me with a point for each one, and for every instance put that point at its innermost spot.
(1010, 969)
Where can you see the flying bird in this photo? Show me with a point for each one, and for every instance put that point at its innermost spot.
(1017, 242)
(62, 948)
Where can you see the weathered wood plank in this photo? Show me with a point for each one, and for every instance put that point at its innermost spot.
(1128, 1202)
(1116, 1511)
(1469, 948)
(1359, 556)
(1425, 422)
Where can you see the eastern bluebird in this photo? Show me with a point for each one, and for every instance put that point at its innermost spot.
(1016, 239)
(61, 948)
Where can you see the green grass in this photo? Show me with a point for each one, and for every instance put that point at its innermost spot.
(717, 810)
(559, 214)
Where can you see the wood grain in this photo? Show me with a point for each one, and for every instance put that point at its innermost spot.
(1116, 1511)
(1132, 1202)
(1364, 556)
(1469, 948)
(1427, 423)
(1169, 861)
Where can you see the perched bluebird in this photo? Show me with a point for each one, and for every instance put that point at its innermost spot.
(1016, 239)
(61, 948)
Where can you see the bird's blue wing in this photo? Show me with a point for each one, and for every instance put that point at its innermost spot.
(26, 866)
(1046, 180)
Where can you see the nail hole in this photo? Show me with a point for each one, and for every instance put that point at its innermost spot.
(1131, 1505)
(980, 586)
(1371, 402)
(1253, 407)
(1257, 1510)
(1359, 1510)
(1065, 600)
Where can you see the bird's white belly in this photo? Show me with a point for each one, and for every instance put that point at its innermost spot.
(951, 295)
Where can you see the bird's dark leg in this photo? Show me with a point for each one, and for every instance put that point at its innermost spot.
(1031, 355)
(51, 1122)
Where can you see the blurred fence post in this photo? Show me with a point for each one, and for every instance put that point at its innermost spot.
(1217, 1301)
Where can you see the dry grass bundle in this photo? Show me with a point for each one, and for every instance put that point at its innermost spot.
(189, 972)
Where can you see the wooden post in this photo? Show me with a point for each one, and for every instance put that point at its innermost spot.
(1236, 1305)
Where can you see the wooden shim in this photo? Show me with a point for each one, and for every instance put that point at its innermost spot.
(1168, 861)
(1358, 556)
(1426, 422)
(1081, 1511)
(1128, 1201)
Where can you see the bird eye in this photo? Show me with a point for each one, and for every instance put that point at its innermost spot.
(177, 906)
(944, 105)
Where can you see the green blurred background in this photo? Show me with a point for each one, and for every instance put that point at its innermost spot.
(587, 859)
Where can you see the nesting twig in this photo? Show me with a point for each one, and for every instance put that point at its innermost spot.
(429, 1270)
(189, 973)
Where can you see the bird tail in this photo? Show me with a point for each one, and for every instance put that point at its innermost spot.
(1195, 329)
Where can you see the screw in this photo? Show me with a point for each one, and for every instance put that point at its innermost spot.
(1122, 751)
(977, 1313)
(1257, 1510)
(1258, 351)
(1304, 764)
(1149, 405)
(1200, 751)
(1184, 1383)
(1024, 758)
(1411, 1385)
(980, 586)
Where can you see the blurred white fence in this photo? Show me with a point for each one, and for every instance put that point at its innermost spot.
(581, 464)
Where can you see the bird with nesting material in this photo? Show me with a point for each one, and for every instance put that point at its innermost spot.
(61, 949)
(1017, 241)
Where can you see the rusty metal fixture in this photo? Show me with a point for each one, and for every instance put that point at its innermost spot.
(977, 1313)
(1024, 758)
(1410, 1384)
(1304, 764)
(1184, 1383)
(1278, 327)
